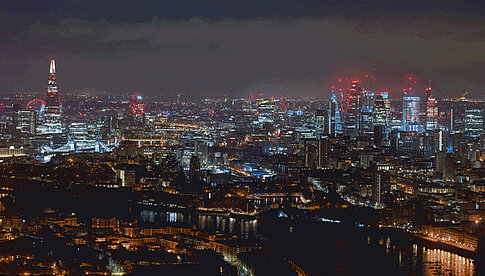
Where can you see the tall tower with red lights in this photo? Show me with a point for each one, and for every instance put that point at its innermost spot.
(52, 100)
(136, 108)
(431, 110)
(352, 102)
(410, 109)
(51, 121)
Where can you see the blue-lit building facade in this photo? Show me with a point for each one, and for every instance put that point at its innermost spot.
(410, 114)
(334, 119)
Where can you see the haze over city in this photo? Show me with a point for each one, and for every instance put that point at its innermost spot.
(236, 47)
(243, 138)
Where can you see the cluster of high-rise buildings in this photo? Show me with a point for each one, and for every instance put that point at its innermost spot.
(410, 124)
(359, 112)
(417, 161)
(40, 125)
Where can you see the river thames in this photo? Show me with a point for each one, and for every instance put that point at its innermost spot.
(329, 248)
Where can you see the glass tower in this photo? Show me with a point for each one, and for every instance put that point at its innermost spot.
(51, 121)
(334, 120)
(410, 114)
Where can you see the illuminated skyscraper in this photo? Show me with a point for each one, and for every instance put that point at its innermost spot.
(431, 110)
(319, 123)
(137, 108)
(352, 110)
(410, 113)
(387, 102)
(366, 113)
(380, 111)
(334, 120)
(473, 122)
(27, 120)
(51, 121)
(52, 100)
(380, 119)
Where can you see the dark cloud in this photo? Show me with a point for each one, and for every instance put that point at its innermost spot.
(214, 56)
(436, 25)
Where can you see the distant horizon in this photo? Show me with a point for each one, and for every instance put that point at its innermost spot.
(217, 48)
(364, 81)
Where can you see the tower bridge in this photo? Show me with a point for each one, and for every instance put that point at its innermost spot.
(46, 152)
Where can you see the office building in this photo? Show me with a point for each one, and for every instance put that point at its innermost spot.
(473, 122)
(410, 114)
(334, 119)
(319, 121)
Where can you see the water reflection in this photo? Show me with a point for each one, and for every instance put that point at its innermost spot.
(174, 217)
(148, 216)
(410, 257)
(243, 228)
(438, 261)
(426, 261)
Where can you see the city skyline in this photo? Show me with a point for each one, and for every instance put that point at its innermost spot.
(287, 51)
(242, 138)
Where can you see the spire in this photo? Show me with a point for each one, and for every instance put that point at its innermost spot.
(52, 68)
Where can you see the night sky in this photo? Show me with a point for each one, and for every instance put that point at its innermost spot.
(212, 48)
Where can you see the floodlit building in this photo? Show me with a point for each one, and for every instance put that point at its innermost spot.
(319, 123)
(51, 121)
(410, 114)
(473, 122)
(334, 119)
(431, 111)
